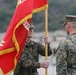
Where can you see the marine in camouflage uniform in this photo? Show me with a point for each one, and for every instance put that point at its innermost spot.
(66, 51)
(29, 61)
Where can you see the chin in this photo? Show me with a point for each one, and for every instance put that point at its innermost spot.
(67, 32)
(30, 36)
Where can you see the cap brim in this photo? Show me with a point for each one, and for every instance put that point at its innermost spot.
(64, 23)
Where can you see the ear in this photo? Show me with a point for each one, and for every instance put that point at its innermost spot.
(68, 25)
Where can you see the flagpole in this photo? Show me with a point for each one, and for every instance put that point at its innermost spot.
(18, 1)
(46, 34)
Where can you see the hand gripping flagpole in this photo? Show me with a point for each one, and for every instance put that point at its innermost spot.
(46, 34)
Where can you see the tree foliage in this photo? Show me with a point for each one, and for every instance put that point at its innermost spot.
(57, 10)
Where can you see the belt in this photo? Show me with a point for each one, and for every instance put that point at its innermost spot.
(71, 66)
(29, 70)
(34, 70)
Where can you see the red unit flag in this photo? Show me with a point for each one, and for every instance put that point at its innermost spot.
(16, 34)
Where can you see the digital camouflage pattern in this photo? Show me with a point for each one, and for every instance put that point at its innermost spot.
(70, 18)
(29, 59)
(66, 56)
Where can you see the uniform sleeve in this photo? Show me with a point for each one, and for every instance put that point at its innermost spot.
(41, 49)
(61, 59)
(27, 62)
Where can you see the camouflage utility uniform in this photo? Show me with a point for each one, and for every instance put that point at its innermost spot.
(66, 56)
(28, 62)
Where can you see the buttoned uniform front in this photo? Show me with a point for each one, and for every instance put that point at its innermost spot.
(29, 61)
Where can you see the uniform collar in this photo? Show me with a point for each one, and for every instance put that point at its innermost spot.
(31, 43)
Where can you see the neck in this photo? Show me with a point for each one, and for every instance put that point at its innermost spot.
(73, 31)
(28, 40)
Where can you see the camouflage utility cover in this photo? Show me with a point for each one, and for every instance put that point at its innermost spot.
(70, 18)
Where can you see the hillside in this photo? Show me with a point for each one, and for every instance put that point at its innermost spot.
(57, 10)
